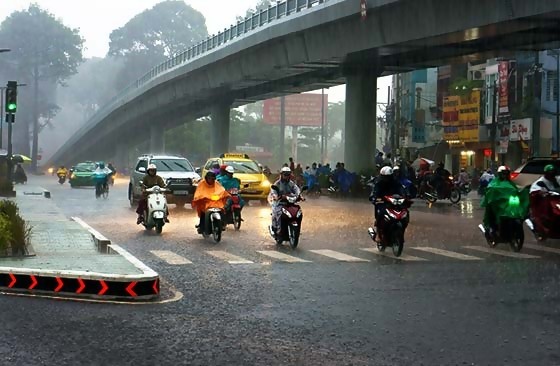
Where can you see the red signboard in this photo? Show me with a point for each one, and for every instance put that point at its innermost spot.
(503, 67)
(300, 110)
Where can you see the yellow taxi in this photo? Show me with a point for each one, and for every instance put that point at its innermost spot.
(248, 171)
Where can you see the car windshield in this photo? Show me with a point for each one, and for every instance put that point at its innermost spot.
(173, 165)
(243, 167)
(84, 167)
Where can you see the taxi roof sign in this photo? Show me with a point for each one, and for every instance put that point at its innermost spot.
(235, 155)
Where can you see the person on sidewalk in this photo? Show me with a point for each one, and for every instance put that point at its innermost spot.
(150, 180)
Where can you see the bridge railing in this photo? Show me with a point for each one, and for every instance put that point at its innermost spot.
(259, 19)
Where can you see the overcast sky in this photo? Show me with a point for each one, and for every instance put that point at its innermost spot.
(96, 19)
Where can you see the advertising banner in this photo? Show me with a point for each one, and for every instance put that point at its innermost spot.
(520, 129)
(469, 117)
(451, 117)
(503, 70)
(300, 110)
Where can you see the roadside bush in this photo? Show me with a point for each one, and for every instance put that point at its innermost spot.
(15, 233)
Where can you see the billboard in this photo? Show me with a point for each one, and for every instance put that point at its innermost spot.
(503, 69)
(300, 110)
(520, 129)
(451, 117)
(469, 117)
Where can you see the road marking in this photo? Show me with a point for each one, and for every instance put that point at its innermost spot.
(403, 257)
(503, 253)
(337, 255)
(170, 257)
(447, 253)
(282, 257)
(542, 248)
(230, 258)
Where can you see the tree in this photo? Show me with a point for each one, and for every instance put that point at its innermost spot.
(43, 51)
(261, 5)
(155, 35)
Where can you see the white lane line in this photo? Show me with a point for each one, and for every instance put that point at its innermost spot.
(542, 248)
(170, 257)
(447, 253)
(339, 256)
(230, 258)
(282, 257)
(503, 253)
(389, 254)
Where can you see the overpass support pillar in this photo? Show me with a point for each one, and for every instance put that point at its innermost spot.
(121, 156)
(360, 119)
(220, 129)
(157, 139)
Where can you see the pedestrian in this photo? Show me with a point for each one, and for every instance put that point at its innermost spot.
(292, 165)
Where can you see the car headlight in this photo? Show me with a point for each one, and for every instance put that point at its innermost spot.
(265, 183)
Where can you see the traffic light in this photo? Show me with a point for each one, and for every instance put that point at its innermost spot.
(11, 97)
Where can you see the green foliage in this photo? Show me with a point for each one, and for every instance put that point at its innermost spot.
(261, 5)
(16, 232)
(152, 36)
(463, 87)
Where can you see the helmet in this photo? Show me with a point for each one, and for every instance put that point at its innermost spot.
(230, 169)
(549, 168)
(101, 165)
(503, 169)
(152, 167)
(286, 170)
(396, 168)
(223, 167)
(386, 170)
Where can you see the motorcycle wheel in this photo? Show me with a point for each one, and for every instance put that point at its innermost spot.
(159, 226)
(397, 241)
(217, 231)
(106, 193)
(517, 238)
(237, 220)
(294, 236)
(455, 195)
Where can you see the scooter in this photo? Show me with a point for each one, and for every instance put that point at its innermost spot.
(233, 216)
(509, 230)
(290, 220)
(393, 224)
(156, 209)
(61, 178)
(449, 191)
(548, 223)
(213, 219)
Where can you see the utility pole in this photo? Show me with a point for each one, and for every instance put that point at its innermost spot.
(2, 88)
(494, 124)
(282, 127)
(323, 146)
(397, 124)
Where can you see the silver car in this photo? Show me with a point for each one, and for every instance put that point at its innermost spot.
(532, 170)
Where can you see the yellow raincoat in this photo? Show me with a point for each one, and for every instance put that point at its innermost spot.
(207, 196)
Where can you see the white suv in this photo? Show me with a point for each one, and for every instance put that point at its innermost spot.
(177, 173)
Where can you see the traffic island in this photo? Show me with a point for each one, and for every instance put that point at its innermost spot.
(72, 260)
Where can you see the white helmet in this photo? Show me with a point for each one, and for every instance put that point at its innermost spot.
(386, 170)
(396, 168)
(503, 168)
(230, 169)
(285, 170)
(152, 167)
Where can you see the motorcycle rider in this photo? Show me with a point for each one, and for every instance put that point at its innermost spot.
(62, 171)
(384, 185)
(101, 175)
(207, 188)
(150, 180)
(540, 211)
(285, 187)
(548, 182)
(228, 182)
(463, 178)
(501, 183)
(441, 175)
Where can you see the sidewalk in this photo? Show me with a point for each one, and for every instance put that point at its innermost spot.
(67, 261)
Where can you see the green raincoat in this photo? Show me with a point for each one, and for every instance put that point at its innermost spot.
(504, 199)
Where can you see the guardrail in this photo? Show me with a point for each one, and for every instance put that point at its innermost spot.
(260, 19)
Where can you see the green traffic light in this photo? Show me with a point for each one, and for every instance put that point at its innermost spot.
(12, 107)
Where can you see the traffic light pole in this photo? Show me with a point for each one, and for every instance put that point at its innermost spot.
(2, 116)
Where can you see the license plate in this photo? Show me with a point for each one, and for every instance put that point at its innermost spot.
(180, 193)
(158, 215)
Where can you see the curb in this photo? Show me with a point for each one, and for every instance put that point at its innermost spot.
(80, 284)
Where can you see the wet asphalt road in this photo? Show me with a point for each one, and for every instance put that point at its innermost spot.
(474, 308)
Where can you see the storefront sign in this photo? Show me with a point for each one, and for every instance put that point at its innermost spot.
(469, 117)
(504, 143)
(503, 69)
(520, 129)
(451, 117)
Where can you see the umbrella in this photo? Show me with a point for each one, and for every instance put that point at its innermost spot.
(422, 161)
(19, 158)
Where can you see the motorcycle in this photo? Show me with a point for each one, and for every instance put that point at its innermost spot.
(393, 225)
(465, 189)
(290, 220)
(233, 215)
(61, 178)
(510, 227)
(548, 213)
(213, 219)
(156, 209)
(448, 191)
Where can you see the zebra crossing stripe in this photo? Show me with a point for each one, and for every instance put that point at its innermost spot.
(542, 248)
(170, 257)
(503, 252)
(338, 256)
(447, 253)
(228, 257)
(281, 256)
(403, 257)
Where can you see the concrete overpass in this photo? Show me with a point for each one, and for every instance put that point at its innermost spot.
(302, 45)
